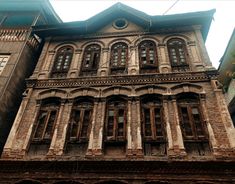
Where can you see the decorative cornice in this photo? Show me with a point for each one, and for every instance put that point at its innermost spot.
(123, 80)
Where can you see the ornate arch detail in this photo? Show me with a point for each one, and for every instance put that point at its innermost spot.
(54, 92)
(123, 40)
(91, 42)
(187, 87)
(150, 89)
(179, 36)
(116, 90)
(146, 38)
(71, 44)
(84, 91)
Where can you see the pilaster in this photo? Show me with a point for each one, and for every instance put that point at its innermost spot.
(9, 146)
(75, 65)
(226, 118)
(104, 62)
(168, 128)
(45, 70)
(178, 145)
(164, 63)
(97, 128)
(52, 149)
(133, 67)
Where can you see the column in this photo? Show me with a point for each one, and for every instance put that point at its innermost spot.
(12, 135)
(208, 125)
(62, 129)
(196, 60)
(226, 118)
(91, 137)
(139, 147)
(128, 129)
(133, 65)
(179, 144)
(45, 70)
(30, 130)
(164, 63)
(51, 151)
(168, 128)
(76, 64)
(104, 62)
(42, 57)
(97, 129)
(202, 47)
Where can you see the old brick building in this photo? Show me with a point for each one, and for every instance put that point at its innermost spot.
(19, 51)
(122, 97)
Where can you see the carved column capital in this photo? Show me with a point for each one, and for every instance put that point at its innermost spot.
(78, 51)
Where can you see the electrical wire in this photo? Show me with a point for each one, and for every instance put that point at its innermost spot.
(171, 7)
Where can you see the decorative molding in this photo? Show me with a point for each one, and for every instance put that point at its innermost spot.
(123, 80)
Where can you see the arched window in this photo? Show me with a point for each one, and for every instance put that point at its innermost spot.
(116, 118)
(148, 57)
(153, 128)
(192, 124)
(115, 127)
(80, 120)
(46, 119)
(44, 127)
(178, 55)
(90, 62)
(62, 62)
(79, 126)
(119, 58)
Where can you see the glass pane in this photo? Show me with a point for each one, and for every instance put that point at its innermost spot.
(111, 113)
(195, 110)
(120, 119)
(41, 124)
(120, 129)
(75, 123)
(85, 123)
(185, 123)
(148, 130)
(49, 128)
(158, 123)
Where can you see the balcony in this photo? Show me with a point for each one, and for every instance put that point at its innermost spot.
(19, 35)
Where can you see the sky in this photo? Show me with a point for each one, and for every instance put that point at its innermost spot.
(219, 34)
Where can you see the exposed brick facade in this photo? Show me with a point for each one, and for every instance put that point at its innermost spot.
(132, 160)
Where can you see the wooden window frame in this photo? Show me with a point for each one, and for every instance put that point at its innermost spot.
(148, 67)
(62, 52)
(152, 108)
(116, 108)
(119, 68)
(48, 109)
(178, 66)
(82, 107)
(92, 67)
(189, 106)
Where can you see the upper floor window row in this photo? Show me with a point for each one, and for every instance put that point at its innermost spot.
(119, 58)
(115, 116)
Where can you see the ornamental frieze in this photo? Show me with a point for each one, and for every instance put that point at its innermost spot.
(123, 80)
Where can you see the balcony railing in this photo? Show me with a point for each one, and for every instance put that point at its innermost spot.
(13, 34)
(16, 35)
